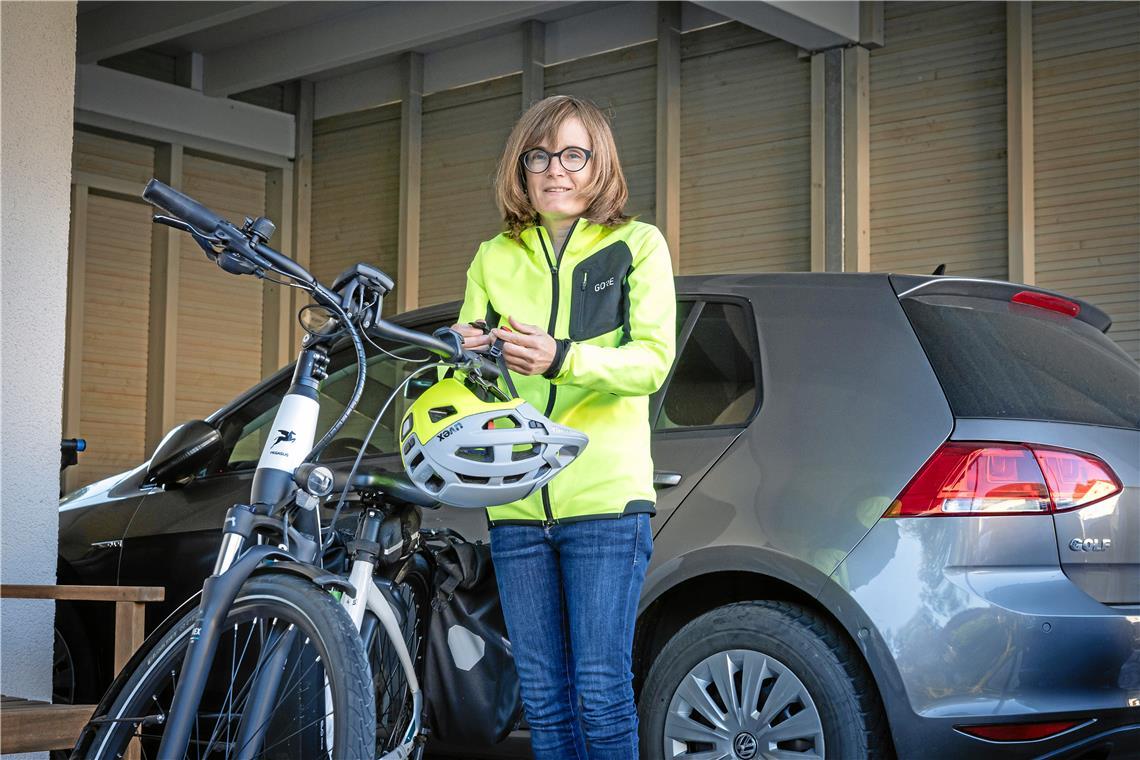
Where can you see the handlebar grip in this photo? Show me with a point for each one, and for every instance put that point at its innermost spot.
(182, 206)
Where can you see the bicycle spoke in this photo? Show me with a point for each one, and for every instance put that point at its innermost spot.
(282, 697)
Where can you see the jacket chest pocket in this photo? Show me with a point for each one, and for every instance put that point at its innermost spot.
(600, 302)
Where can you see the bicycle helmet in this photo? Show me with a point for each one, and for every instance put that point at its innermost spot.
(468, 452)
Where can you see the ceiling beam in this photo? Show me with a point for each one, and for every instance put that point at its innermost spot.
(118, 28)
(136, 105)
(809, 25)
(377, 31)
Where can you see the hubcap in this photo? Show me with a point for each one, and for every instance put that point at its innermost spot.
(742, 705)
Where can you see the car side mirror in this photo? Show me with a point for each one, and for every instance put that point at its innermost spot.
(184, 451)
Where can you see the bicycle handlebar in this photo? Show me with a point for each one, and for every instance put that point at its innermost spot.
(182, 206)
(213, 226)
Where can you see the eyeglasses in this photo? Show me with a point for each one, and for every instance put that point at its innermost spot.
(537, 160)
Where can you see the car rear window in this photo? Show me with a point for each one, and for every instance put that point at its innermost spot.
(1000, 359)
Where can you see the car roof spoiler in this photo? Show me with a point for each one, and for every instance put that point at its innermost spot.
(913, 285)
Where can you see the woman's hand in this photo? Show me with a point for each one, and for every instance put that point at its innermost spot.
(528, 349)
(473, 337)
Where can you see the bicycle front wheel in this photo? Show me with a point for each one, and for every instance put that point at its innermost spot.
(319, 705)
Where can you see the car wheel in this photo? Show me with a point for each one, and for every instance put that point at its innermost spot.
(760, 679)
(73, 666)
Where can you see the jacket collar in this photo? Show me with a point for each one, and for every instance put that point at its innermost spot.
(582, 235)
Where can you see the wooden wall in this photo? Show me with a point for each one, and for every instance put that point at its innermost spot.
(1086, 109)
(938, 140)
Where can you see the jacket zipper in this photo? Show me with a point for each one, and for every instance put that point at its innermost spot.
(553, 392)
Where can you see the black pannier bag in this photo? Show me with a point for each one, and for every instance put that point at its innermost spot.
(470, 686)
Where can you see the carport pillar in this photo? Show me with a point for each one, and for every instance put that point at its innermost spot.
(1019, 126)
(841, 150)
(162, 340)
(668, 200)
(840, 160)
(411, 129)
(534, 63)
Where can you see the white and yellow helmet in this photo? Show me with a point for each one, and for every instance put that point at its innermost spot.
(468, 452)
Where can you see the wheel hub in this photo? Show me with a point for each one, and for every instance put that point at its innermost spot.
(744, 745)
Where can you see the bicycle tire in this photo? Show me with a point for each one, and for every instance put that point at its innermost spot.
(325, 641)
(393, 700)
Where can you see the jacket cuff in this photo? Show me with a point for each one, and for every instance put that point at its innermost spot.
(561, 347)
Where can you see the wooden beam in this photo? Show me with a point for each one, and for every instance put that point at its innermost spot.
(73, 355)
(277, 300)
(818, 158)
(411, 129)
(856, 160)
(668, 205)
(1019, 129)
(79, 593)
(118, 28)
(112, 185)
(162, 342)
(302, 194)
(534, 62)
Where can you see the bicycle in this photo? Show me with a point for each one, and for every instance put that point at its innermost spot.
(279, 657)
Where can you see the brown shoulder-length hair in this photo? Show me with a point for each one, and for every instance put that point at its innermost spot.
(538, 126)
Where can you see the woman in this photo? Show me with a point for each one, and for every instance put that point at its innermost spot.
(582, 298)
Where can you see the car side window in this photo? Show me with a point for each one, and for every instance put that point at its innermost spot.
(250, 426)
(715, 380)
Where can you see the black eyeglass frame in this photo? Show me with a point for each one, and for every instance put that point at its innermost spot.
(550, 156)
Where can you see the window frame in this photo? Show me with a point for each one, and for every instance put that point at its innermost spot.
(699, 303)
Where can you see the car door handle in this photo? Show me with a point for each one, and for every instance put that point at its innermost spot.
(666, 479)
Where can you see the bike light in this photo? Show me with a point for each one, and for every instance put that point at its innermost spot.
(1003, 478)
(320, 482)
(1046, 301)
(1018, 732)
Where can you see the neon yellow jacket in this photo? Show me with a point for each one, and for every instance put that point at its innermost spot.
(608, 298)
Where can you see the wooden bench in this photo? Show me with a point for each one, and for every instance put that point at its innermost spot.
(32, 726)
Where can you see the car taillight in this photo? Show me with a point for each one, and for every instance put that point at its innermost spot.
(973, 478)
(1019, 732)
(1046, 301)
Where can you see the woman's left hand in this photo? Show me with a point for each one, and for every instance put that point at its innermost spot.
(528, 350)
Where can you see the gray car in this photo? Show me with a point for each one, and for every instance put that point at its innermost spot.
(895, 514)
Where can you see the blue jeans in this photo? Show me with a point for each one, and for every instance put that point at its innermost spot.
(570, 595)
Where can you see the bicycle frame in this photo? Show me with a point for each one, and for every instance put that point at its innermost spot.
(297, 420)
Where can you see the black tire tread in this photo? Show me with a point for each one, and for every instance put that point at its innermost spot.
(740, 617)
(345, 653)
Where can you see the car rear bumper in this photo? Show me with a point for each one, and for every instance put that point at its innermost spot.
(971, 621)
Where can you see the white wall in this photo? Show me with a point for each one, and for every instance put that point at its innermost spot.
(37, 57)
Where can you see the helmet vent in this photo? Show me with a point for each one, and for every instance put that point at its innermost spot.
(408, 446)
(476, 453)
(525, 452)
(502, 423)
(473, 479)
(512, 478)
(416, 461)
(434, 483)
(441, 412)
(407, 427)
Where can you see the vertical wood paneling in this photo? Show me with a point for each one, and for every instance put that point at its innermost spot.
(114, 344)
(464, 131)
(1086, 103)
(219, 314)
(745, 153)
(355, 194)
(624, 85)
(938, 140)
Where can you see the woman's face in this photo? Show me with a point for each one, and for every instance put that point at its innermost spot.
(557, 194)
